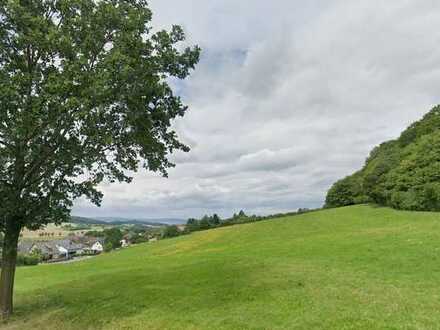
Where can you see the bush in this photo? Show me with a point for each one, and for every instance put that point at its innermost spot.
(344, 192)
(28, 260)
(192, 225)
(108, 247)
(138, 239)
(171, 231)
(113, 236)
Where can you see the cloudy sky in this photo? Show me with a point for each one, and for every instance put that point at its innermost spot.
(288, 97)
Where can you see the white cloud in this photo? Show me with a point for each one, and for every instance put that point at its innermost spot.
(287, 98)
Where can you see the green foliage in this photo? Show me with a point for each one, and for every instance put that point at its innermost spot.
(71, 227)
(94, 233)
(192, 225)
(241, 217)
(84, 94)
(214, 221)
(113, 237)
(137, 239)
(346, 192)
(429, 124)
(28, 260)
(403, 173)
(170, 231)
(205, 223)
(108, 246)
(373, 177)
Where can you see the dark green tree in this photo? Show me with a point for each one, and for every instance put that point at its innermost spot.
(170, 231)
(204, 223)
(215, 220)
(241, 214)
(84, 97)
(108, 247)
(342, 193)
(113, 237)
(192, 225)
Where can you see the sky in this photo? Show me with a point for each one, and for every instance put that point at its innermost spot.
(288, 97)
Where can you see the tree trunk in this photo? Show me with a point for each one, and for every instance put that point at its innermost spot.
(8, 263)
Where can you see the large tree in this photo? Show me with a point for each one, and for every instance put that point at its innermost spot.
(84, 97)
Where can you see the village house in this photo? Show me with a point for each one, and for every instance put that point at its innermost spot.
(50, 250)
(25, 247)
(58, 250)
(92, 245)
(98, 246)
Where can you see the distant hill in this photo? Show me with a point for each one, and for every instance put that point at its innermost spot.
(137, 221)
(125, 221)
(402, 173)
(86, 221)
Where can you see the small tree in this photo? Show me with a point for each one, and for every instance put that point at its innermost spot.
(170, 231)
(204, 223)
(215, 220)
(108, 246)
(113, 236)
(192, 225)
(84, 97)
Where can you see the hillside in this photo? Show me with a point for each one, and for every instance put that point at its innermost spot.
(402, 173)
(348, 268)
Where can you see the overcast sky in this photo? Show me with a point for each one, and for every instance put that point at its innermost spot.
(288, 97)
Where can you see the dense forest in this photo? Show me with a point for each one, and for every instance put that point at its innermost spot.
(402, 173)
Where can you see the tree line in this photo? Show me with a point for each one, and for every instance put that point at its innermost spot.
(215, 221)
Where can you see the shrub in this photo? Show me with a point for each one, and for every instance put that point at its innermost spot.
(113, 236)
(344, 192)
(171, 231)
(28, 260)
(108, 247)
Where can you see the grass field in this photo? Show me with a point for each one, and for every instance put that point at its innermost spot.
(351, 268)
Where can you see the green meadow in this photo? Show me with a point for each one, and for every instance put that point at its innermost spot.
(359, 267)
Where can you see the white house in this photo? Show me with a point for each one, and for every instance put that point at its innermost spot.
(97, 247)
(124, 243)
(62, 251)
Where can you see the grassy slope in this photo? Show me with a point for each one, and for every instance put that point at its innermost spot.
(351, 268)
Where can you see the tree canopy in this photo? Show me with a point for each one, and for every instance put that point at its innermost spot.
(84, 96)
(402, 173)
